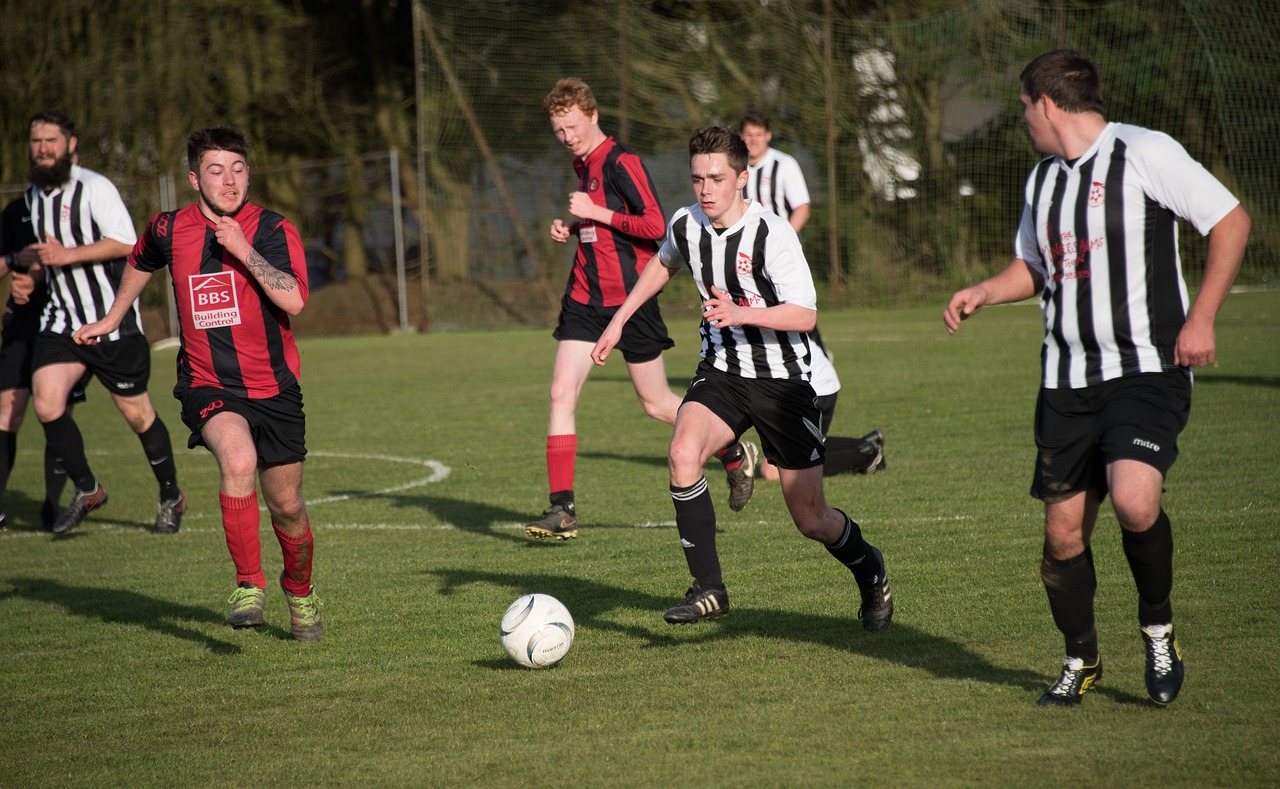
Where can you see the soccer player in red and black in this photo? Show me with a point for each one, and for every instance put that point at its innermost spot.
(239, 274)
(617, 220)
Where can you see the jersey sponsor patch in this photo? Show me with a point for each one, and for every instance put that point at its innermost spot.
(587, 232)
(213, 300)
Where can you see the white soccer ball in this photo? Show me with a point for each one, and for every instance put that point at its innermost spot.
(537, 630)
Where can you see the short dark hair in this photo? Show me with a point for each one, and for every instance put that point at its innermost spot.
(214, 138)
(1067, 77)
(754, 117)
(720, 139)
(58, 118)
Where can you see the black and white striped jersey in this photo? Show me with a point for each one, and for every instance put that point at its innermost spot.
(1102, 233)
(777, 183)
(758, 262)
(86, 209)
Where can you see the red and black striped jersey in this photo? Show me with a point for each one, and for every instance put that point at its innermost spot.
(610, 257)
(233, 336)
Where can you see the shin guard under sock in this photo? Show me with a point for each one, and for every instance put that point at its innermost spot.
(68, 446)
(855, 553)
(696, 522)
(297, 552)
(1070, 585)
(240, 523)
(1150, 555)
(159, 450)
(562, 453)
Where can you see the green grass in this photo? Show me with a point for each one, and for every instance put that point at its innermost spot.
(117, 667)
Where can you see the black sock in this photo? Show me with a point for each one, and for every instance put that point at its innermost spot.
(1150, 555)
(847, 455)
(155, 442)
(55, 477)
(696, 522)
(855, 553)
(68, 447)
(1070, 584)
(8, 448)
(564, 498)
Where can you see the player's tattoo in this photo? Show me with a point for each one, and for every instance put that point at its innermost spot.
(271, 277)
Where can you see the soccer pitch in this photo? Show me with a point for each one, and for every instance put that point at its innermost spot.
(117, 667)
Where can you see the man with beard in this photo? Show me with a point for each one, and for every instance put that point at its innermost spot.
(240, 273)
(84, 234)
(21, 325)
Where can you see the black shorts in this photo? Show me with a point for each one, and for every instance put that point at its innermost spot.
(782, 410)
(277, 424)
(1080, 431)
(17, 349)
(123, 366)
(644, 337)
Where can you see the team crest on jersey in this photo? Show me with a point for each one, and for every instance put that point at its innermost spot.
(593, 185)
(744, 263)
(66, 213)
(213, 300)
(1097, 194)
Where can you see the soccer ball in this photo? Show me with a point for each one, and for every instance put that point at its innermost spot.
(537, 630)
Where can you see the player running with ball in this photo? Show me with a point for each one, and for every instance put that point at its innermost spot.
(758, 306)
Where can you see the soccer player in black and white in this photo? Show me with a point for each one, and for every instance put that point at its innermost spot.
(758, 305)
(1098, 242)
(775, 181)
(84, 233)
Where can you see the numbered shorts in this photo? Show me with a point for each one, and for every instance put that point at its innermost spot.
(277, 424)
(644, 337)
(782, 410)
(1080, 431)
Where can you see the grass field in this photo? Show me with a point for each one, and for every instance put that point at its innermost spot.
(117, 667)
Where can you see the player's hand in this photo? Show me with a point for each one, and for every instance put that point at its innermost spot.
(580, 205)
(560, 232)
(1196, 345)
(964, 304)
(22, 287)
(89, 333)
(52, 252)
(604, 346)
(231, 236)
(720, 311)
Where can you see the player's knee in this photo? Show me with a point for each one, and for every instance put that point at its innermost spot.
(1136, 515)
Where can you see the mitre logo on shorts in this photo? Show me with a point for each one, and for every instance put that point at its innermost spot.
(213, 300)
(1097, 194)
(744, 263)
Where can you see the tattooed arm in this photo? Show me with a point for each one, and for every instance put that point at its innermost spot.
(279, 286)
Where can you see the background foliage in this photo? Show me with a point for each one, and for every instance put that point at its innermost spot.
(903, 114)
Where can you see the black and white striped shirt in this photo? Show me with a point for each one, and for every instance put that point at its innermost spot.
(777, 183)
(759, 263)
(86, 209)
(1102, 233)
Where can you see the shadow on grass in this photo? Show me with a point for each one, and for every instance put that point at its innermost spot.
(116, 606)
(902, 643)
(477, 518)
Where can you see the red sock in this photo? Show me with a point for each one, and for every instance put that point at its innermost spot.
(297, 560)
(731, 464)
(240, 522)
(562, 451)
